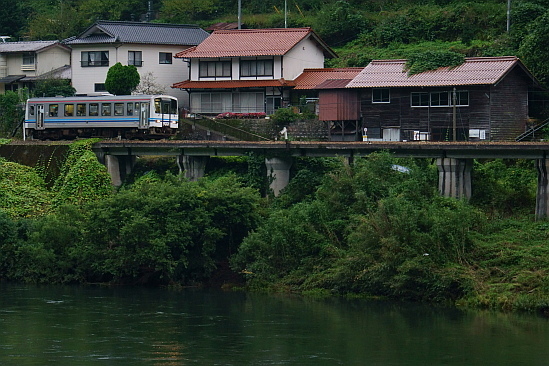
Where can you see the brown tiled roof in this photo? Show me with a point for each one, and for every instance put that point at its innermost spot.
(312, 78)
(474, 71)
(227, 84)
(252, 42)
(223, 25)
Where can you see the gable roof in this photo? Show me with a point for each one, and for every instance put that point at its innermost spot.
(253, 42)
(225, 84)
(142, 33)
(327, 77)
(474, 71)
(29, 46)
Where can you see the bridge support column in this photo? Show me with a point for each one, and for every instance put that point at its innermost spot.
(193, 167)
(278, 172)
(119, 167)
(542, 195)
(454, 177)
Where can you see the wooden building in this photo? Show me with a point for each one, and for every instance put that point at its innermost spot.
(485, 98)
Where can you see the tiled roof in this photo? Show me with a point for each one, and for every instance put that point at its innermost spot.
(141, 33)
(312, 78)
(30, 46)
(252, 42)
(474, 71)
(227, 84)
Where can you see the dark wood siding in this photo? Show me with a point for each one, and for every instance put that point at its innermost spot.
(338, 105)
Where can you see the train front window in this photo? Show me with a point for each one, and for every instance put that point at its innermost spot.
(173, 106)
(31, 110)
(118, 109)
(80, 109)
(106, 109)
(53, 110)
(69, 110)
(94, 109)
(157, 102)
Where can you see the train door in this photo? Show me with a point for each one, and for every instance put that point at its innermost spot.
(39, 116)
(144, 116)
(166, 108)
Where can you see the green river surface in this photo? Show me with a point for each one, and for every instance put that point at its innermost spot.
(50, 325)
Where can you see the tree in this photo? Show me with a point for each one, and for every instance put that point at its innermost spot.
(11, 19)
(149, 86)
(53, 87)
(122, 80)
(339, 23)
(533, 48)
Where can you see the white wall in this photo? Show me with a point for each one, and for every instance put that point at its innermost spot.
(52, 59)
(306, 54)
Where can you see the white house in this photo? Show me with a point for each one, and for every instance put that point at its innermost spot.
(249, 70)
(22, 63)
(148, 46)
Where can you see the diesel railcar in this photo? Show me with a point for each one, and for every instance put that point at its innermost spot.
(126, 116)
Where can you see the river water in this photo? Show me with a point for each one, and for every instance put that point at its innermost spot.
(138, 326)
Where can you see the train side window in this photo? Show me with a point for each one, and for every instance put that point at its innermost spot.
(53, 110)
(69, 110)
(118, 109)
(94, 109)
(106, 109)
(130, 109)
(157, 105)
(80, 109)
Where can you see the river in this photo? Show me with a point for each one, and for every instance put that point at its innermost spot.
(79, 326)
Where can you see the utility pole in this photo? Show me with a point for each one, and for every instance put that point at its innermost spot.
(239, 14)
(508, 15)
(454, 116)
(286, 13)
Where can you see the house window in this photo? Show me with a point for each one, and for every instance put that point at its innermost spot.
(462, 98)
(165, 58)
(214, 68)
(256, 68)
(28, 61)
(135, 58)
(440, 99)
(381, 95)
(99, 87)
(419, 99)
(94, 58)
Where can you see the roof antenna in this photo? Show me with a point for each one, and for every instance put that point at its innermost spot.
(3, 38)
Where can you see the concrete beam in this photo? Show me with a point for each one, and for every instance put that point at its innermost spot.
(278, 172)
(454, 177)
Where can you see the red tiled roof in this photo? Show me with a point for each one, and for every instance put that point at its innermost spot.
(252, 42)
(474, 71)
(227, 84)
(312, 78)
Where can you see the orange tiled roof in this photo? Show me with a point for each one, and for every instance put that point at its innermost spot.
(226, 84)
(252, 42)
(312, 78)
(474, 71)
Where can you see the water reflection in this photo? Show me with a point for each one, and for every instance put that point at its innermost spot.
(135, 326)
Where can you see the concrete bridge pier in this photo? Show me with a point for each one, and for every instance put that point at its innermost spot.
(454, 177)
(542, 195)
(119, 167)
(193, 167)
(278, 172)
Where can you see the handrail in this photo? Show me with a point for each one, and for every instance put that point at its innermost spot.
(525, 134)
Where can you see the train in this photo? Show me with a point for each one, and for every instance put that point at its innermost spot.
(124, 116)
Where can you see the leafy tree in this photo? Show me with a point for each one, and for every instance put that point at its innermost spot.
(122, 80)
(181, 11)
(148, 85)
(339, 23)
(533, 48)
(53, 87)
(11, 112)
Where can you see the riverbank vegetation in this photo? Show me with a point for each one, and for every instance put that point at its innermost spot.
(375, 228)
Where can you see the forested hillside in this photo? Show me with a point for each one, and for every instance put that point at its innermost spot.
(359, 30)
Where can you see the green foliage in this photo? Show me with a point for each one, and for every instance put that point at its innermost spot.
(532, 48)
(432, 60)
(82, 178)
(122, 80)
(339, 23)
(11, 111)
(183, 11)
(23, 192)
(53, 87)
(284, 116)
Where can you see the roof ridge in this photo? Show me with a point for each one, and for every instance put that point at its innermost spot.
(263, 30)
(130, 23)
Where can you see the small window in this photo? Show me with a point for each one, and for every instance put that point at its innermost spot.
(80, 110)
(100, 87)
(31, 110)
(69, 110)
(106, 109)
(381, 95)
(94, 58)
(135, 58)
(94, 109)
(165, 58)
(53, 110)
(130, 109)
(462, 98)
(118, 109)
(419, 99)
(28, 59)
(440, 99)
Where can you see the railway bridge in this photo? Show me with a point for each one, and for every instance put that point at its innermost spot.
(454, 159)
